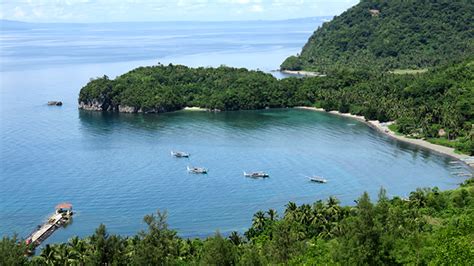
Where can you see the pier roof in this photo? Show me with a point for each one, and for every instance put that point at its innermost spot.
(64, 205)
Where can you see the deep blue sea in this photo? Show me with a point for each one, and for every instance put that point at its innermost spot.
(116, 168)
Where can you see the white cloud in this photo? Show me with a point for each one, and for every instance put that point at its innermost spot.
(37, 12)
(18, 13)
(256, 8)
(166, 10)
(240, 2)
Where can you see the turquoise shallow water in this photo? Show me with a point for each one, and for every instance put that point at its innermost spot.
(116, 168)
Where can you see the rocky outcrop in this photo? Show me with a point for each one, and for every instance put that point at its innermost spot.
(95, 105)
(55, 103)
(129, 109)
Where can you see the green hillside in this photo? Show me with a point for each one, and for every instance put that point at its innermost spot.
(429, 227)
(422, 105)
(388, 35)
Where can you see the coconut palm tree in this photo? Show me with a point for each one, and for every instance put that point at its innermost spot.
(305, 214)
(272, 214)
(235, 238)
(259, 220)
(62, 255)
(418, 198)
(48, 254)
(78, 249)
(291, 209)
(333, 209)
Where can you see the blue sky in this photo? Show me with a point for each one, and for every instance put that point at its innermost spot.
(167, 10)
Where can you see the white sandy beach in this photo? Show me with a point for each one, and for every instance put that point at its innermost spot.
(383, 127)
(303, 73)
(195, 108)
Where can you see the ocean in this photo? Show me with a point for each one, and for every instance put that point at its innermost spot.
(116, 168)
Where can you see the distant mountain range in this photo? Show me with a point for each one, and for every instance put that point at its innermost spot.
(16, 25)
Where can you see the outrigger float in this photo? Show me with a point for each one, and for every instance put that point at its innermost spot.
(60, 218)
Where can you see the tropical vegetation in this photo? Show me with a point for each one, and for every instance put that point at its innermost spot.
(429, 227)
(437, 105)
(390, 35)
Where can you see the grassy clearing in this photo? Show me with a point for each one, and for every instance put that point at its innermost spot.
(408, 71)
(458, 145)
(394, 128)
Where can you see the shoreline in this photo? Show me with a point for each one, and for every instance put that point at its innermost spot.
(303, 73)
(383, 128)
(195, 108)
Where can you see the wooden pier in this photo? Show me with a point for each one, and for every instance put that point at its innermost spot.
(61, 217)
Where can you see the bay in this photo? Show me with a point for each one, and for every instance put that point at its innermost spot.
(116, 168)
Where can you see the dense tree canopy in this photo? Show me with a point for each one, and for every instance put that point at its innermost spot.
(167, 88)
(428, 227)
(422, 104)
(387, 35)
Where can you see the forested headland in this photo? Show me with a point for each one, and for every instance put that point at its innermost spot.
(389, 35)
(359, 51)
(437, 105)
(429, 227)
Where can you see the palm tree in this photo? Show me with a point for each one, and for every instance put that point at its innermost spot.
(332, 201)
(61, 254)
(333, 209)
(272, 214)
(305, 214)
(258, 221)
(418, 198)
(78, 249)
(290, 211)
(48, 254)
(235, 238)
(319, 220)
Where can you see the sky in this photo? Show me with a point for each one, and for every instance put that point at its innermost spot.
(167, 10)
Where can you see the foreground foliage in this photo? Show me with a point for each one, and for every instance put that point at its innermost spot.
(424, 105)
(389, 35)
(430, 227)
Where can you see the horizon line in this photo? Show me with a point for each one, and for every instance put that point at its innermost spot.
(164, 21)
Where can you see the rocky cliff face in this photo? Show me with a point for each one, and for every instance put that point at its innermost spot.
(96, 105)
(128, 109)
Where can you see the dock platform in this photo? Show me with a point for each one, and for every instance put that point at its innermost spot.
(61, 217)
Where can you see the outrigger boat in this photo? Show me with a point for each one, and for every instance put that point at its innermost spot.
(197, 170)
(179, 154)
(462, 174)
(317, 179)
(256, 174)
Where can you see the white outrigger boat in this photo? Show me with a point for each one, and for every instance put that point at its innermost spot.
(180, 154)
(462, 174)
(197, 170)
(256, 174)
(317, 179)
